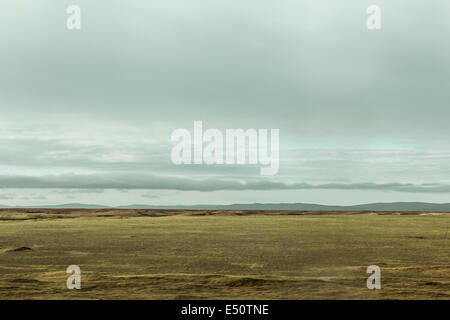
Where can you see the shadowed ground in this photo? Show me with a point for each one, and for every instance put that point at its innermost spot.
(168, 254)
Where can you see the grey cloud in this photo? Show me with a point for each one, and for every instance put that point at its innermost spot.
(97, 181)
(310, 67)
(101, 103)
(77, 191)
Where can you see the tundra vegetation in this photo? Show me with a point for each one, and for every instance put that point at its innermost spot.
(169, 254)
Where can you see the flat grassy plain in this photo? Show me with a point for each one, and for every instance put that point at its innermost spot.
(163, 254)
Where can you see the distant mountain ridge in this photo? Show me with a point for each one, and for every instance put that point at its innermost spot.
(381, 206)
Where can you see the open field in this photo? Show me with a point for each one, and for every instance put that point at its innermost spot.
(169, 254)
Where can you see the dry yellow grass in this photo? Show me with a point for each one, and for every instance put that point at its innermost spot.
(151, 254)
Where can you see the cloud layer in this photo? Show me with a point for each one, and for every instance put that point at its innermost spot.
(95, 182)
(94, 109)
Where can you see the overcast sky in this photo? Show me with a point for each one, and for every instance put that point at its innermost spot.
(86, 115)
